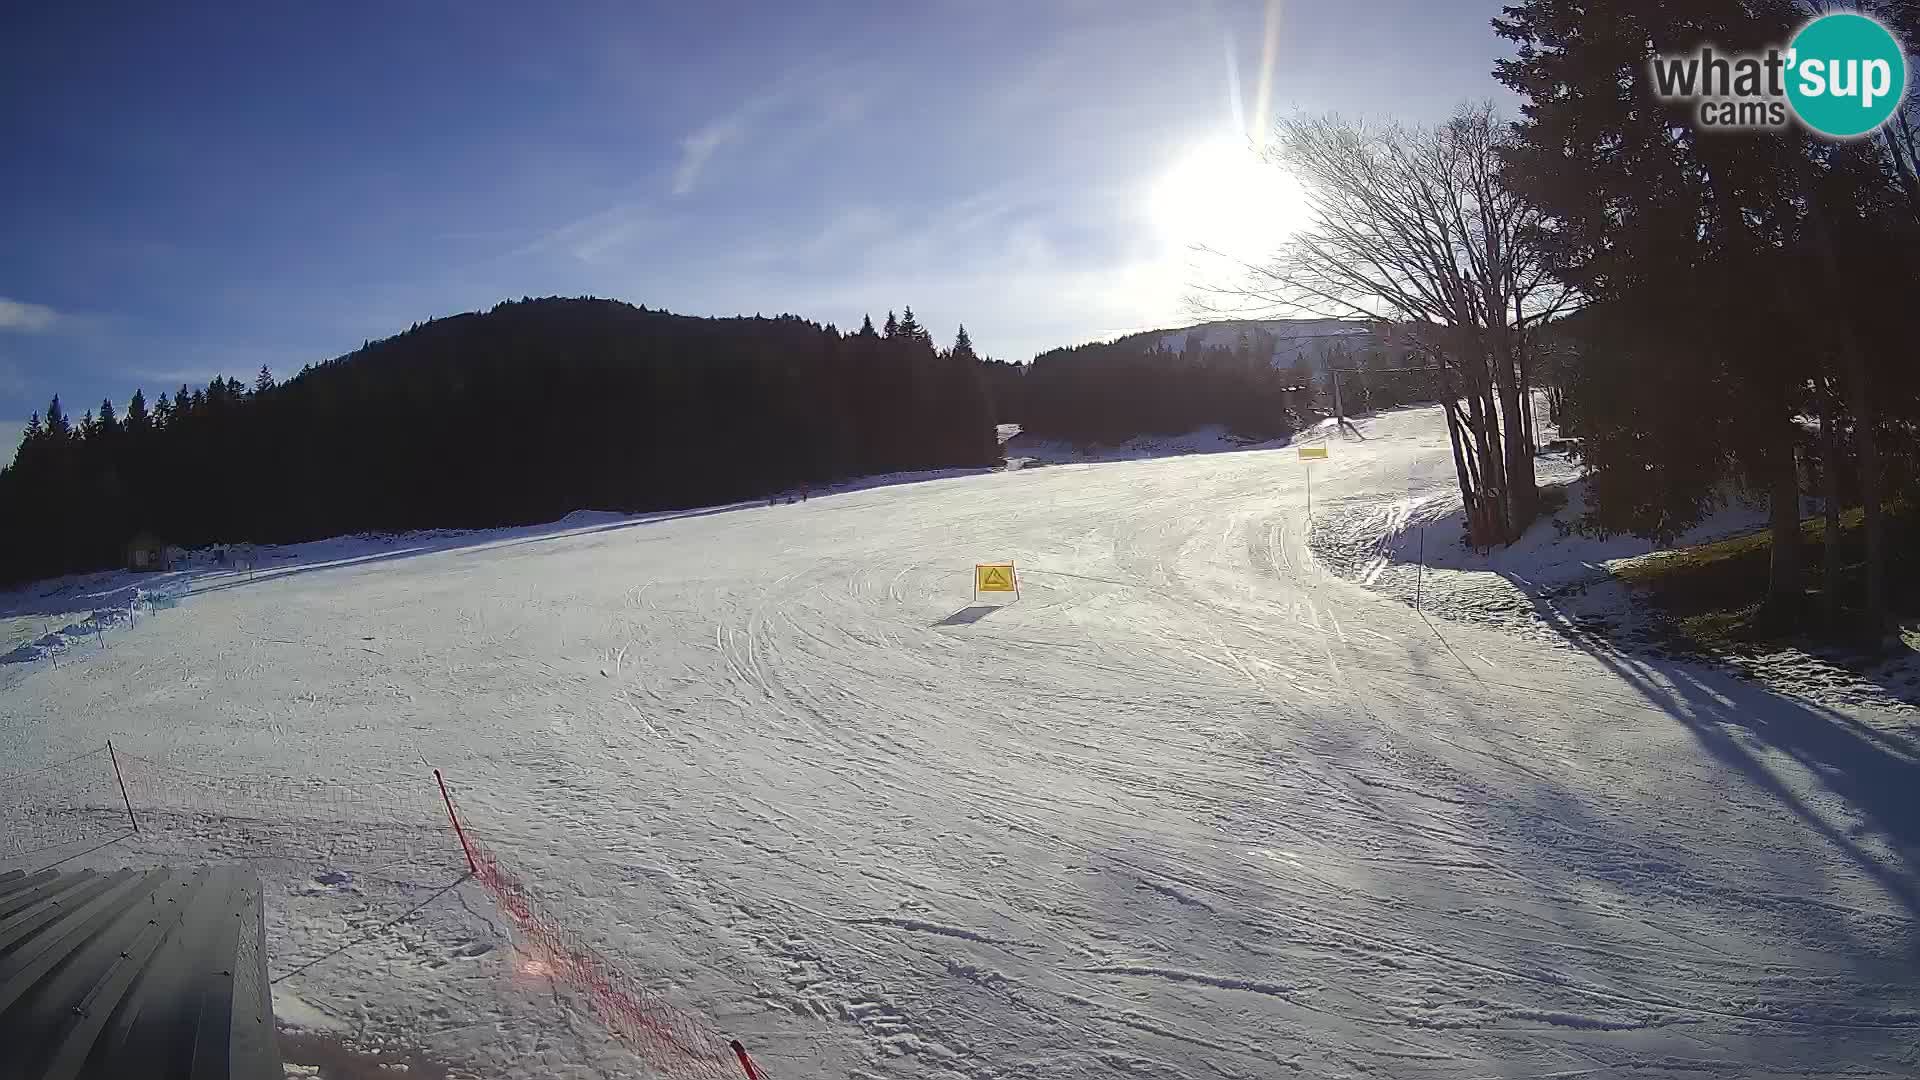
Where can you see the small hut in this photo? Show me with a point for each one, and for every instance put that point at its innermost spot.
(146, 552)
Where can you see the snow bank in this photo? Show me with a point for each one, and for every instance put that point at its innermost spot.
(114, 606)
(1368, 538)
(1556, 584)
(1031, 450)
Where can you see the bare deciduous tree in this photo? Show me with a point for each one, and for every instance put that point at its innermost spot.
(1410, 228)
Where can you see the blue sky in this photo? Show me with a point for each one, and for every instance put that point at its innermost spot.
(200, 189)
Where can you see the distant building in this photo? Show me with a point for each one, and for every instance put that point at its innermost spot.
(145, 551)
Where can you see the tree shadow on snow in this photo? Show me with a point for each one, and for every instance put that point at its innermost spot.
(1875, 773)
(1597, 888)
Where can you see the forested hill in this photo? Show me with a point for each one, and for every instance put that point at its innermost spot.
(519, 414)
(1260, 379)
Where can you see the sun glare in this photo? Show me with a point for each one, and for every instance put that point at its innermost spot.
(1221, 194)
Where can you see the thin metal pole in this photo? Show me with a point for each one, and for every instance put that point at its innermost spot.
(1420, 582)
(472, 866)
(115, 758)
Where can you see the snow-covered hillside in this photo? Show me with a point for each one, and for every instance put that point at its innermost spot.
(1192, 807)
(1294, 339)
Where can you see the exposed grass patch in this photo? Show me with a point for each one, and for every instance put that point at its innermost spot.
(1553, 499)
(1713, 593)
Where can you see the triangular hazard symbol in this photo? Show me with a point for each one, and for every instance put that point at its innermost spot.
(996, 575)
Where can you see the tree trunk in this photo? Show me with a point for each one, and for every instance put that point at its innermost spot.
(1785, 582)
(1494, 465)
(1874, 610)
(1526, 397)
(1484, 423)
(1860, 402)
(1466, 461)
(1515, 442)
(1460, 468)
(1830, 493)
(1770, 394)
(1521, 493)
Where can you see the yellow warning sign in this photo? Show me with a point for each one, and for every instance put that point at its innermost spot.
(1307, 452)
(994, 577)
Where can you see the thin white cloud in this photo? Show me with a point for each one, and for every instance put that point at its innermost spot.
(810, 81)
(25, 317)
(698, 148)
(594, 238)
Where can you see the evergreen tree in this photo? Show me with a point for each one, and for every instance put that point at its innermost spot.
(109, 424)
(1676, 236)
(263, 382)
(1006, 390)
(892, 327)
(56, 421)
(138, 421)
(962, 345)
(1107, 393)
(911, 329)
(866, 326)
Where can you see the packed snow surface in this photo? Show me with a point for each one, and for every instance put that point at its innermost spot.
(1191, 807)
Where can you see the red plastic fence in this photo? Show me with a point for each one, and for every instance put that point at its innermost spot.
(410, 836)
(673, 1041)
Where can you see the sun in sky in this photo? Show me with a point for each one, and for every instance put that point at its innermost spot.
(1222, 194)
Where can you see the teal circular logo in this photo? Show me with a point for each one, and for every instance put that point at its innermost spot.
(1846, 74)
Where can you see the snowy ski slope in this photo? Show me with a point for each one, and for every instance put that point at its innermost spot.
(1191, 808)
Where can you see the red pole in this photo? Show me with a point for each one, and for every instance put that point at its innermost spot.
(123, 786)
(746, 1062)
(472, 866)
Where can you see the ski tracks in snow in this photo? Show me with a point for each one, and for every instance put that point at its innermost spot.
(1189, 808)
